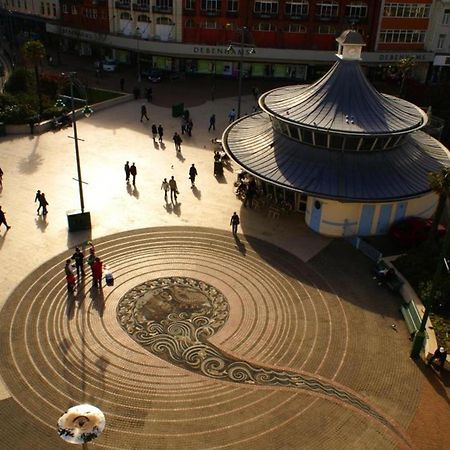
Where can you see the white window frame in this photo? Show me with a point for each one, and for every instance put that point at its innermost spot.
(441, 41)
(326, 29)
(296, 8)
(402, 36)
(356, 10)
(211, 5)
(295, 28)
(189, 5)
(266, 7)
(233, 6)
(327, 9)
(261, 25)
(446, 17)
(409, 10)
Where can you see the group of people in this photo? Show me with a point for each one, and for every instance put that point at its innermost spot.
(94, 262)
(130, 171)
(43, 203)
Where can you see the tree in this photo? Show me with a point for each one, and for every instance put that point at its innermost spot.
(404, 68)
(440, 184)
(34, 53)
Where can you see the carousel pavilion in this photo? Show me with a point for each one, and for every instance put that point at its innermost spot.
(352, 159)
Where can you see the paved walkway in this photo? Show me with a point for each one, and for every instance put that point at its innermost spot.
(313, 313)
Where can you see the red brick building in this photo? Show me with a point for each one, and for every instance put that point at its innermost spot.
(291, 24)
(89, 15)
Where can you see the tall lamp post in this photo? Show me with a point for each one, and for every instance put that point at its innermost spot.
(251, 51)
(432, 296)
(77, 220)
(139, 76)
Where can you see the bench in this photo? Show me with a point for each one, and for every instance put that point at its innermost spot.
(393, 282)
(412, 317)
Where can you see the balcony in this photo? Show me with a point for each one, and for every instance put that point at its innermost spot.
(141, 7)
(122, 5)
(265, 15)
(162, 9)
(211, 12)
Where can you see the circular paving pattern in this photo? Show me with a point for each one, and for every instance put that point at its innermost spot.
(202, 342)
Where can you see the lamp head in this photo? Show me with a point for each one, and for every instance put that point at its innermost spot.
(60, 104)
(251, 51)
(230, 49)
(87, 111)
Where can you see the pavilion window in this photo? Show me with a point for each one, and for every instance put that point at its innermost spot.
(284, 128)
(336, 141)
(351, 143)
(307, 136)
(293, 132)
(320, 139)
(367, 144)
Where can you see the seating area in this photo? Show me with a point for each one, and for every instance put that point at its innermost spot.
(412, 317)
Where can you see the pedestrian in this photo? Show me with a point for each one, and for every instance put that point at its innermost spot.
(183, 125)
(133, 172)
(177, 140)
(149, 94)
(441, 355)
(37, 198)
(212, 122)
(1, 177)
(144, 112)
(160, 132)
(31, 124)
(97, 271)
(3, 219)
(70, 277)
(154, 132)
(189, 127)
(173, 189)
(232, 115)
(136, 92)
(127, 172)
(166, 187)
(192, 174)
(122, 84)
(91, 257)
(44, 203)
(234, 222)
(78, 257)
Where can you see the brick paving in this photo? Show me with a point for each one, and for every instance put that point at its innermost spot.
(303, 311)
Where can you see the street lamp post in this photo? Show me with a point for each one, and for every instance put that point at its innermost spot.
(432, 295)
(77, 220)
(139, 76)
(230, 49)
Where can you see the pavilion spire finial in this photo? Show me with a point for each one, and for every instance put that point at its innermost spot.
(350, 45)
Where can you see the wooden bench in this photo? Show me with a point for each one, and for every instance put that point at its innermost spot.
(412, 317)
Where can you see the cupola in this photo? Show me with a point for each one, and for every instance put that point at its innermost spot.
(350, 45)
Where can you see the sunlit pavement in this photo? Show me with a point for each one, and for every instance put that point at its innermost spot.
(337, 329)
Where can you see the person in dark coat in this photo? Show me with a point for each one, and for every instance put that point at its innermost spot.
(189, 127)
(44, 203)
(212, 123)
(127, 172)
(234, 222)
(154, 132)
(3, 219)
(133, 172)
(173, 189)
(192, 174)
(144, 113)
(177, 140)
(37, 198)
(78, 257)
(441, 355)
(160, 132)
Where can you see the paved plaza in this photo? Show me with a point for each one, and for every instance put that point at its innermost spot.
(277, 338)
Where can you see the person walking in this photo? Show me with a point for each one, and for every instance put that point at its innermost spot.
(177, 140)
(37, 198)
(160, 132)
(212, 122)
(133, 172)
(144, 112)
(234, 222)
(3, 219)
(127, 172)
(122, 84)
(1, 177)
(78, 257)
(44, 203)
(173, 189)
(97, 272)
(165, 186)
(232, 115)
(441, 355)
(154, 132)
(189, 127)
(183, 125)
(70, 277)
(192, 174)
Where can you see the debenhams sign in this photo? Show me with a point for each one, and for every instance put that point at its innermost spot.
(223, 51)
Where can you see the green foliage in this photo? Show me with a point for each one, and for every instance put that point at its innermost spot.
(20, 81)
(50, 84)
(33, 52)
(17, 114)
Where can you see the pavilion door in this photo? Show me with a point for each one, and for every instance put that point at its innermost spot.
(400, 211)
(365, 221)
(384, 219)
(316, 215)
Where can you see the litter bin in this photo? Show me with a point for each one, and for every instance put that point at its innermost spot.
(2, 129)
(177, 110)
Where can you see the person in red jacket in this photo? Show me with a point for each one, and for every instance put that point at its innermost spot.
(97, 271)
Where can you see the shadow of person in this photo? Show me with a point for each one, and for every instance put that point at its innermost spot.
(168, 207)
(221, 179)
(135, 192)
(2, 240)
(97, 299)
(436, 381)
(163, 146)
(181, 157)
(177, 209)
(129, 189)
(197, 193)
(41, 222)
(80, 296)
(70, 305)
(240, 245)
(155, 145)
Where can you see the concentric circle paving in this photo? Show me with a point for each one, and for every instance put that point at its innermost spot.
(247, 357)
